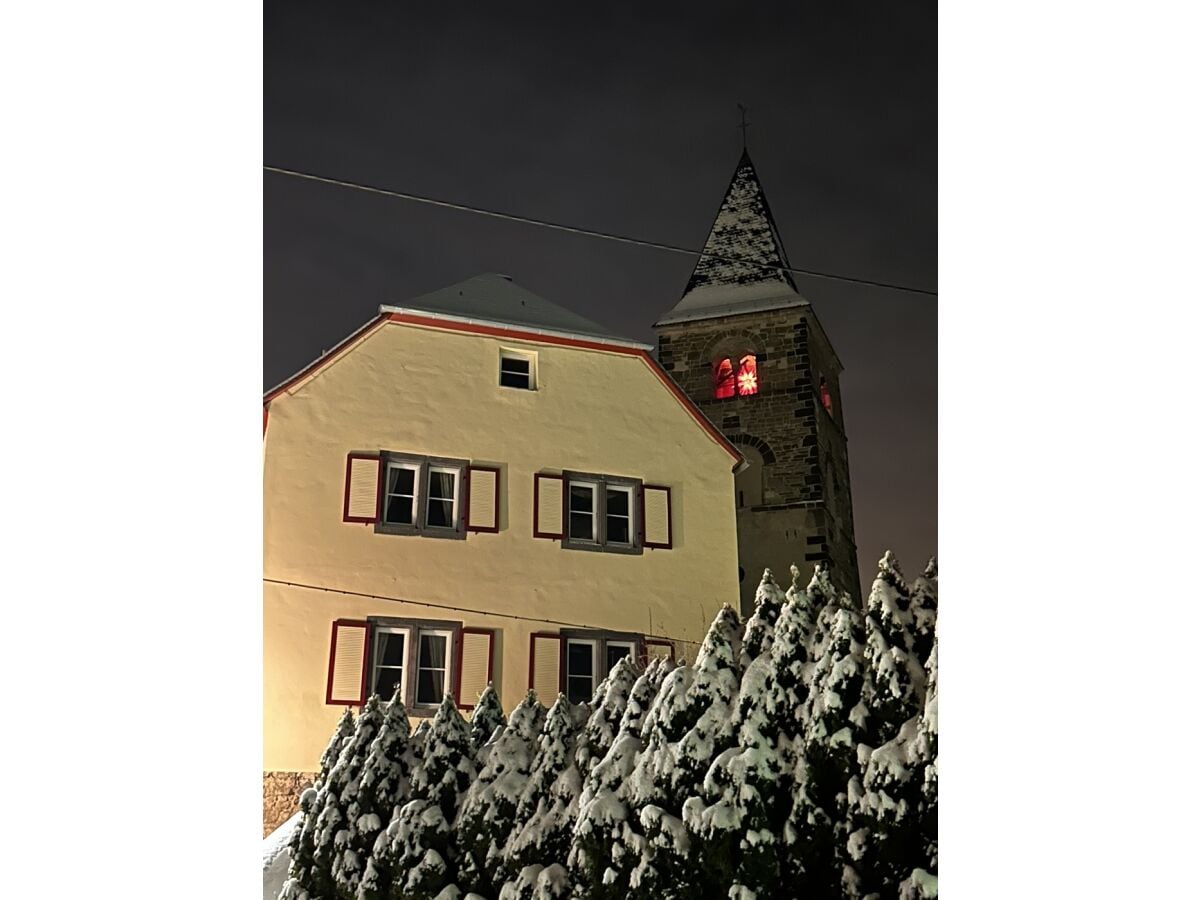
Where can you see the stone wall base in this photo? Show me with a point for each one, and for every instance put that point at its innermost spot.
(281, 796)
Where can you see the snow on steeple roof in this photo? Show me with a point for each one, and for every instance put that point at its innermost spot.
(722, 284)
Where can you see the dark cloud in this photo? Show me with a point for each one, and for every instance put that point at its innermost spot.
(623, 120)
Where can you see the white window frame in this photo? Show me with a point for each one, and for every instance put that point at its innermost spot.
(376, 655)
(458, 473)
(594, 646)
(523, 356)
(447, 682)
(594, 487)
(415, 468)
(628, 491)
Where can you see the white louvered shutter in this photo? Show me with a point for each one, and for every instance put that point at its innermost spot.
(656, 517)
(545, 659)
(476, 665)
(483, 492)
(548, 506)
(362, 488)
(347, 684)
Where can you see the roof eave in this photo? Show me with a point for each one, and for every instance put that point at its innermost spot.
(515, 327)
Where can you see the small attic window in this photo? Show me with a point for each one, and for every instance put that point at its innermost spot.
(518, 370)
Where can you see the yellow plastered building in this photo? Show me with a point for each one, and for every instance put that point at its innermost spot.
(479, 486)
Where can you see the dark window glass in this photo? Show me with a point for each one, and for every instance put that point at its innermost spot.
(386, 681)
(515, 373)
(583, 520)
(391, 651)
(613, 654)
(580, 677)
(431, 668)
(617, 517)
(430, 686)
(398, 508)
(579, 659)
(440, 513)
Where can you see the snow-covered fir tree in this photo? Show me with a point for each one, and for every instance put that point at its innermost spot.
(489, 809)
(549, 803)
(538, 882)
(608, 705)
(925, 753)
(385, 782)
(924, 592)
(302, 881)
(600, 856)
(416, 849)
(710, 700)
(760, 627)
(486, 717)
(896, 689)
(337, 800)
(835, 722)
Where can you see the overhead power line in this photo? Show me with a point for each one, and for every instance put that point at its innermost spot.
(464, 609)
(590, 232)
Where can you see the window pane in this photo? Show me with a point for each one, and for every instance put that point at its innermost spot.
(399, 511)
(433, 651)
(386, 681)
(747, 379)
(514, 365)
(723, 379)
(582, 526)
(391, 650)
(581, 498)
(430, 685)
(618, 530)
(614, 653)
(509, 379)
(441, 514)
(400, 481)
(579, 659)
(618, 502)
(579, 690)
(441, 485)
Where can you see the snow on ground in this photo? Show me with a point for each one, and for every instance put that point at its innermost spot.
(276, 858)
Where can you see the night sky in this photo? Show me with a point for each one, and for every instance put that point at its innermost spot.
(622, 120)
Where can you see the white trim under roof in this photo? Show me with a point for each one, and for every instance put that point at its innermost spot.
(515, 326)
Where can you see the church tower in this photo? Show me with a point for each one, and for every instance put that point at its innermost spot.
(748, 349)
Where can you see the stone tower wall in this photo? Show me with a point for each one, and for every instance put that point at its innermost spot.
(806, 467)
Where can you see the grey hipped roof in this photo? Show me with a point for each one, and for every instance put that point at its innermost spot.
(497, 299)
(744, 229)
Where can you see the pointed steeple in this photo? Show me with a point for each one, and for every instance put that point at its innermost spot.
(743, 260)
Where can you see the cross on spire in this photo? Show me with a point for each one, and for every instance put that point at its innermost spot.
(744, 124)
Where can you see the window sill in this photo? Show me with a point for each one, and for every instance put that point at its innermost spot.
(602, 548)
(409, 530)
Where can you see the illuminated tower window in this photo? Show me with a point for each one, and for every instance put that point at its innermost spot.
(747, 379)
(723, 382)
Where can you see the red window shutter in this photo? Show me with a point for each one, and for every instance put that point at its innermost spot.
(475, 647)
(656, 517)
(361, 501)
(547, 506)
(483, 498)
(348, 657)
(545, 666)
